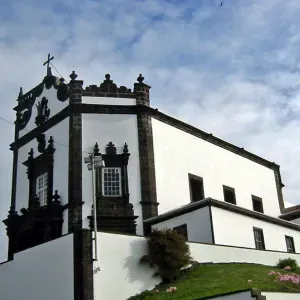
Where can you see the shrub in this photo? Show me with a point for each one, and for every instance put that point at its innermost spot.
(287, 262)
(168, 251)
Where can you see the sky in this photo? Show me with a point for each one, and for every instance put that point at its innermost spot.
(231, 70)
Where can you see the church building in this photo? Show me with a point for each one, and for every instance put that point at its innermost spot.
(156, 172)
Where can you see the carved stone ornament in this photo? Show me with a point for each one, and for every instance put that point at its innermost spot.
(41, 139)
(26, 101)
(108, 86)
(43, 112)
(114, 214)
(35, 225)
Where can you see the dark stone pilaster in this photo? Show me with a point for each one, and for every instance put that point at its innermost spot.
(279, 186)
(75, 157)
(13, 189)
(83, 265)
(146, 153)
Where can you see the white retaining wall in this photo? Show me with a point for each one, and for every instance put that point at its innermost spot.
(42, 272)
(121, 275)
(119, 257)
(281, 296)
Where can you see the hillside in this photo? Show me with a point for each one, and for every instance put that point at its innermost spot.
(212, 279)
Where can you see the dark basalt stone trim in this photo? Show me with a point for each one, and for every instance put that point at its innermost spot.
(13, 189)
(211, 226)
(254, 293)
(62, 94)
(132, 109)
(36, 167)
(147, 167)
(41, 129)
(291, 209)
(279, 186)
(220, 204)
(105, 109)
(108, 95)
(75, 158)
(257, 294)
(291, 216)
(83, 265)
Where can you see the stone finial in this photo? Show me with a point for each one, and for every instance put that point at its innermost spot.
(125, 149)
(56, 197)
(30, 153)
(20, 93)
(73, 76)
(107, 78)
(108, 86)
(12, 212)
(50, 147)
(140, 79)
(111, 149)
(96, 149)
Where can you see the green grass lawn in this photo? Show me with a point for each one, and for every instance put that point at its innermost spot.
(212, 279)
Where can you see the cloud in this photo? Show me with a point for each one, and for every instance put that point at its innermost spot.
(231, 70)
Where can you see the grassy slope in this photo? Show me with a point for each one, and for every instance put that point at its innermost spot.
(212, 279)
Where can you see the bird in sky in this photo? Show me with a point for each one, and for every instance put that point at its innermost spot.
(221, 4)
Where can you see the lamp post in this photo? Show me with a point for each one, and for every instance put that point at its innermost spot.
(94, 162)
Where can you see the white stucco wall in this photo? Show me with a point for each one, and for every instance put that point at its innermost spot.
(43, 272)
(133, 278)
(60, 134)
(281, 296)
(119, 257)
(109, 100)
(53, 103)
(178, 153)
(198, 225)
(118, 129)
(237, 230)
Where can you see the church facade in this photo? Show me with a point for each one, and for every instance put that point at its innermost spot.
(159, 172)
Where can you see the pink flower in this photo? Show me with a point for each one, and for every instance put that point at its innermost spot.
(171, 289)
(288, 268)
(272, 273)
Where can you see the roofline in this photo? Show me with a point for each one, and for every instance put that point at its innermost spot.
(209, 137)
(292, 215)
(155, 113)
(223, 205)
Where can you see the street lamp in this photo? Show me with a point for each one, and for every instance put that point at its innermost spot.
(94, 162)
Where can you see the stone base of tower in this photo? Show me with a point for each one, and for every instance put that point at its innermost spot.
(116, 224)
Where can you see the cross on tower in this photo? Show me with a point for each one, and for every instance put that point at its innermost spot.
(48, 62)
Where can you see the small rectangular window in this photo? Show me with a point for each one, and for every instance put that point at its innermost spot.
(196, 188)
(259, 238)
(257, 204)
(42, 188)
(182, 230)
(111, 182)
(290, 244)
(229, 194)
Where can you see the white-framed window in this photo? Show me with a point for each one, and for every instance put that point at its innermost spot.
(111, 182)
(42, 188)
